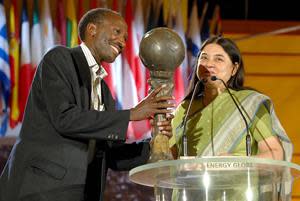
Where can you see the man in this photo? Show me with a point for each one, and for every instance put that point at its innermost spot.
(71, 133)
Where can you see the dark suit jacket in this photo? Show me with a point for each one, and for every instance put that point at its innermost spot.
(51, 151)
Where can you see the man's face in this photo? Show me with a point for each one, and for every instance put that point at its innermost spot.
(109, 39)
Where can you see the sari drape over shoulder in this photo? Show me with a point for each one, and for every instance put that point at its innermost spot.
(219, 128)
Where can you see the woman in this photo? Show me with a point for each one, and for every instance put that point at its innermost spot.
(214, 125)
(213, 114)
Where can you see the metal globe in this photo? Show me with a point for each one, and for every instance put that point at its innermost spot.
(161, 49)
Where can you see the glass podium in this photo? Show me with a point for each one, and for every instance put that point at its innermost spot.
(227, 178)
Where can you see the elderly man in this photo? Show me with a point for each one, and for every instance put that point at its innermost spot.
(71, 132)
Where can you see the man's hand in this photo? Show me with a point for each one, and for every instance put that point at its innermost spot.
(151, 105)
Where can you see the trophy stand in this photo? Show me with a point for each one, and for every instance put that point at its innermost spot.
(161, 51)
(160, 143)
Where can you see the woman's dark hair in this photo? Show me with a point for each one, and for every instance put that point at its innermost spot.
(236, 82)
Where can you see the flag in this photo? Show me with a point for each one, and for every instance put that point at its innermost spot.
(139, 30)
(114, 80)
(184, 13)
(80, 14)
(138, 24)
(72, 39)
(215, 24)
(60, 32)
(180, 74)
(204, 25)
(25, 68)
(100, 3)
(193, 37)
(114, 71)
(158, 9)
(14, 64)
(132, 77)
(115, 6)
(166, 9)
(36, 38)
(80, 10)
(93, 4)
(152, 16)
(4, 72)
(47, 27)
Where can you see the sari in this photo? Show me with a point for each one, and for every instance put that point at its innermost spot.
(219, 128)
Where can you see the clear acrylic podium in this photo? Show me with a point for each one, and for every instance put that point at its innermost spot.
(218, 179)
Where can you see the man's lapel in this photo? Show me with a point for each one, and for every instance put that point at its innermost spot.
(107, 97)
(82, 67)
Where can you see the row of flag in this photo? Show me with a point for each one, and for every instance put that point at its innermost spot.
(23, 48)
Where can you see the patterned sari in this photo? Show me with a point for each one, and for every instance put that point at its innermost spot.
(219, 128)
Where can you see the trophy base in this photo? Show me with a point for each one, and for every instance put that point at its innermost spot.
(160, 150)
(160, 157)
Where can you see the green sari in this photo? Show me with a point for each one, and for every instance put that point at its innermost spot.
(219, 128)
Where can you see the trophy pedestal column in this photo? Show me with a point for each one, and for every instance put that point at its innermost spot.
(160, 143)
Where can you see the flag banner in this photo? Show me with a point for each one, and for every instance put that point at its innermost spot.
(60, 32)
(180, 75)
(80, 14)
(71, 20)
(215, 27)
(204, 22)
(4, 73)
(114, 79)
(193, 38)
(14, 42)
(25, 68)
(93, 4)
(138, 24)
(128, 78)
(47, 27)
(36, 38)
(132, 77)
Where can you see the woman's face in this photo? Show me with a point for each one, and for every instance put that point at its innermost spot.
(214, 61)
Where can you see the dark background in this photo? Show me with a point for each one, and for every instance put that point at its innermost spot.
(118, 186)
(283, 10)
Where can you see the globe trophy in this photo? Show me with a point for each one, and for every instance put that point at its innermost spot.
(161, 51)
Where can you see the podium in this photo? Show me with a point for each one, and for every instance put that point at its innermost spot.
(227, 178)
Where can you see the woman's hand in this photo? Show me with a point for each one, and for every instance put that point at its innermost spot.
(270, 148)
(164, 127)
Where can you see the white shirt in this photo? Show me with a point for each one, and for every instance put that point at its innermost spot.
(97, 74)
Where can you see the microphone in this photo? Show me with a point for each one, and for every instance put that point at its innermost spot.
(248, 136)
(184, 137)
